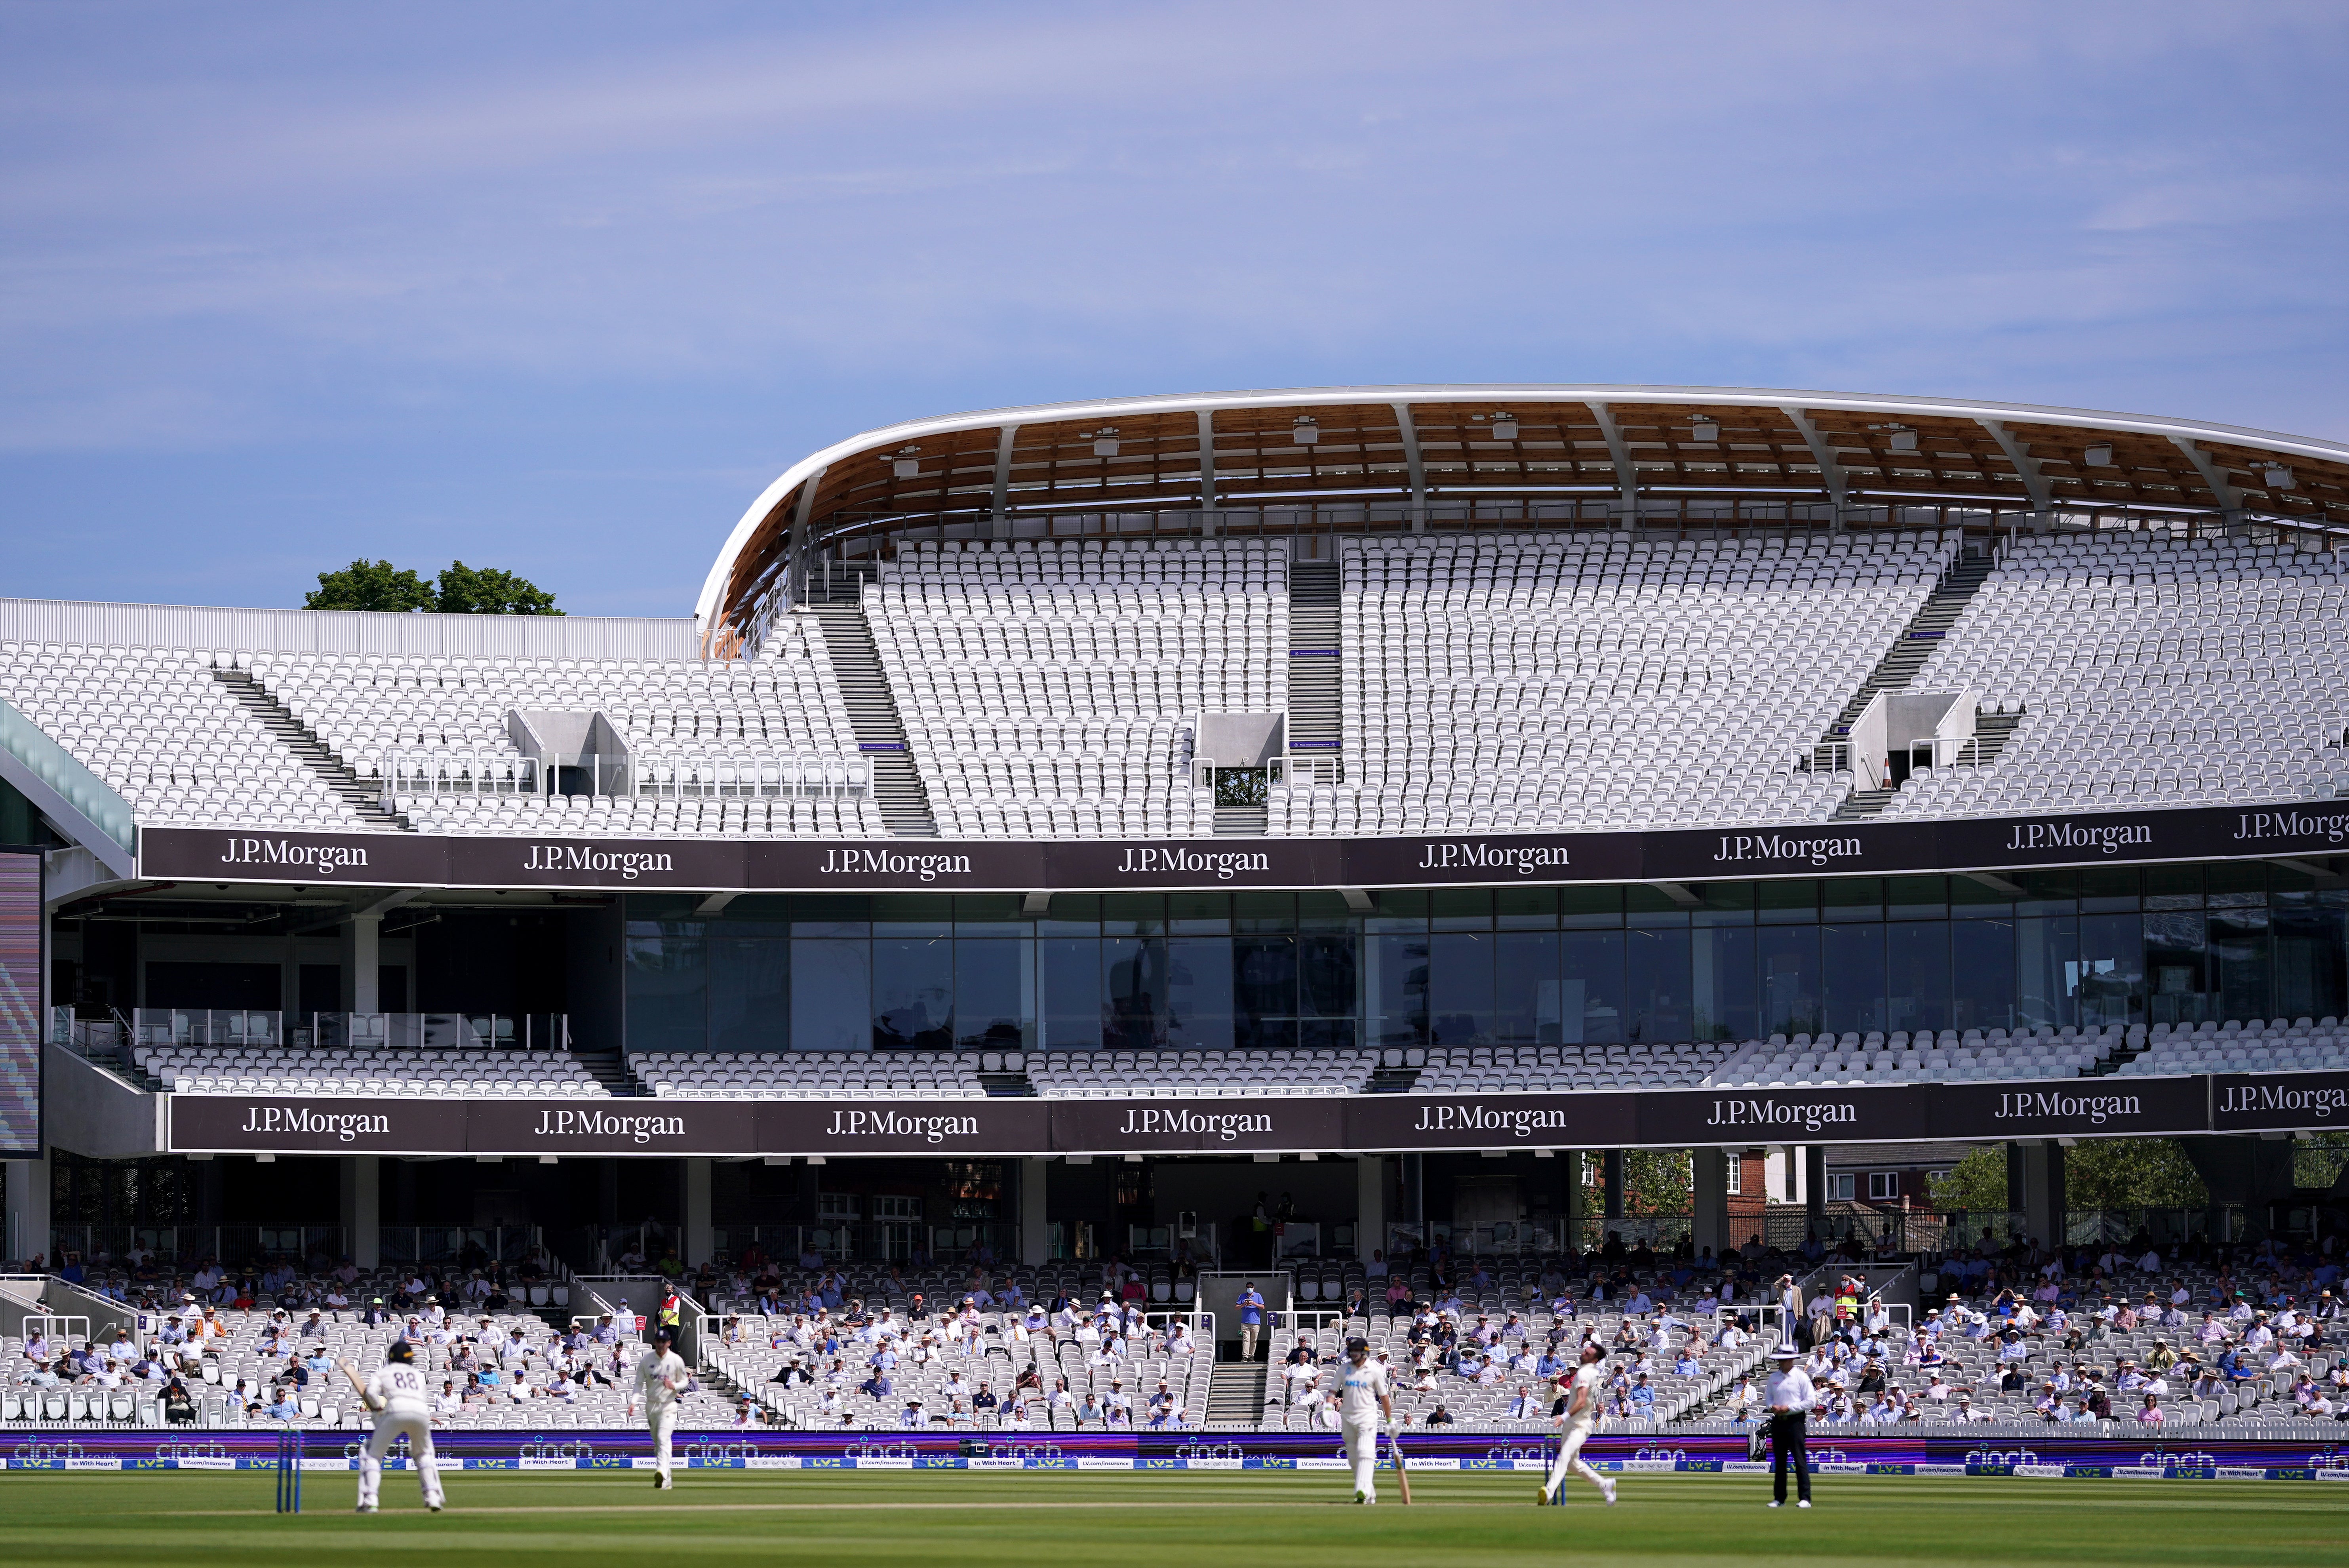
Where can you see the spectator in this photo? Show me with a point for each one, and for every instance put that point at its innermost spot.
(1439, 1417)
(2149, 1413)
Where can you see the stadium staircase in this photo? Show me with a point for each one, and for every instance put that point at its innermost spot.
(611, 1069)
(897, 788)
(1236, 1395)
(1900, 664)
(314, 754)
(1315, 661)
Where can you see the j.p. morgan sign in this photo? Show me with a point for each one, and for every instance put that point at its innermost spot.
(415, 859)
(2110, 1107)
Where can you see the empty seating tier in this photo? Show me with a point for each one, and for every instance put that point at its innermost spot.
(1050, 690)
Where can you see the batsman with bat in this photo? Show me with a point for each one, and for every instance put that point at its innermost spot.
(1367, 1402)
(403, 1406)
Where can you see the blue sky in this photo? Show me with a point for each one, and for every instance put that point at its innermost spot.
(560, 288)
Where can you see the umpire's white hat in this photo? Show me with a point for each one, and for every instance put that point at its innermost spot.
(1785, 1353)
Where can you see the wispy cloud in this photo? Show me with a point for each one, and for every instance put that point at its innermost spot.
(568, 282)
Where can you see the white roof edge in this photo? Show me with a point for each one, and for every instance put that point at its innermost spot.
(1967, 408)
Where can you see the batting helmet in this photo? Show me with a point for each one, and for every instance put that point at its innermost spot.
(401, 1351)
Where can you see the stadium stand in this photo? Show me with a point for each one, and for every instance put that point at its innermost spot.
(1051, 691)
(2276, 1045)
(812, 1075)
(1093, 1075)
(167, 736)
(2149, 670)
(1517, 682)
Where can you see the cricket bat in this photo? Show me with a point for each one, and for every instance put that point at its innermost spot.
(1403, 1472)
(351, 1376)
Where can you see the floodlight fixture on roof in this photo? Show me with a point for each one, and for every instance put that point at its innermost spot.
(909, 463)
(2278, 478)
(2100, 454)
(1705, 431)
(1105, 441)
(1505, 427)
(1307, 429)
(1904, 439)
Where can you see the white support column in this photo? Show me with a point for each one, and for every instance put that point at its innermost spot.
(362, 962)
(2026, 467)
(795, 547)
(998, 506)
(1206, 470)
(1711, 1199)
(1370, 1205)
(1831, 475)
(363, 1208)
(1413, 467)
(700, 1238)
(1627, 472)
(1032, 1223)
(28, 1210)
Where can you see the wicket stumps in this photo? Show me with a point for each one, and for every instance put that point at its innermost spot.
(293, 1447)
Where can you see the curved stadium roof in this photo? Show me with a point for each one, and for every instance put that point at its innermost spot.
(1432, 456)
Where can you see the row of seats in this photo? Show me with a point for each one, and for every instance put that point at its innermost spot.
(1051, 692)
(1534, 683)
(167, 736)
(2152, 670)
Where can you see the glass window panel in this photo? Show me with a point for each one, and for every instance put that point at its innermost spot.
(1132, 914)
(1982, 961)
(2312, 964)
(994, 1003)
(750, 999)
(2046, 959)
(1656, 979)
(1787, 970)
(1852, 899)
(1918, 898)
(1199, 913)
(1266, 913)
(1326, 977)
(1791, 903)
(1198, 1014)
(2111, 987)
(1072, 914)
(1917, 970)
(913, 993)
(1724, 903)
(1852, 958)
(1461, 909)
(1590, 907)
(832, 994)
(1525, 1006)
(2239, 952)
(1525, 908)
(1069, 981)
(667, 996)
(1134, 993)
(1395, 989)
(1721, 983)
(1460, 989)
(1264, 991)
(2177, 963)
(1591, 987)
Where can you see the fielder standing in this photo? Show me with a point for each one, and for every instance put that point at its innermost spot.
(395, 1391)
(1367, 1404)
(660, 1380)
(1579, 1391)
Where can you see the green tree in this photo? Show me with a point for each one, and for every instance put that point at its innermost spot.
(486, 591)
(2317, 1158)
(461, 590)
(1976, 1182)
(2131, 1173)
(369, 585)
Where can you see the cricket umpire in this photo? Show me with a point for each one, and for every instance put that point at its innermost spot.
(1789, 1395)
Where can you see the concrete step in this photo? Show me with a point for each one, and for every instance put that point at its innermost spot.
(898, 792)
(313, 753)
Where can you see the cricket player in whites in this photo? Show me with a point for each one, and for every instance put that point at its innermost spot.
(1367, 1404)
(395, 1391)
(660, 1380)
(1580, 1395)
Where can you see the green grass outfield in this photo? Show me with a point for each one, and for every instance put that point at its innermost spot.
(968, 1518)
